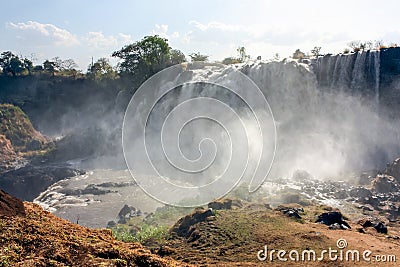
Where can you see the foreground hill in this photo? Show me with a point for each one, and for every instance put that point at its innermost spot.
(30, 236)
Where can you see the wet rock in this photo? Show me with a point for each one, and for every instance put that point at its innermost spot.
(366, 178)
(221, 204)
(342, 194)
(385, 184)
(94, 190)
(380, 227)
(113, 184)
(333, 217)
(128, 212)
(89, 189)
(111, 224)
(183, 227)
(29, 181)
(360, 192)
(393, 169)
(373, 201)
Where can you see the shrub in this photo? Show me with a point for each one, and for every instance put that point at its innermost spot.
(145, 234)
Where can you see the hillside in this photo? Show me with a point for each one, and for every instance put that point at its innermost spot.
(30, 236)
(16, 127)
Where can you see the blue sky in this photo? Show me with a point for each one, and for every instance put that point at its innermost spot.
(85, 29)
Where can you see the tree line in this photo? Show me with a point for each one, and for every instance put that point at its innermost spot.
(142, 59)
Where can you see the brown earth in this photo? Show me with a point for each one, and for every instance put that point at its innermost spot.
(30, 236)
(234, 237)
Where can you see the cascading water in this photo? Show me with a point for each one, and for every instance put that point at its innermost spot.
(354, 73)
(327, 134)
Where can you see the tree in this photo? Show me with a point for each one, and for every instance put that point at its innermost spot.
(355, 45)
(11, 63)
(242, 54)
(298, 54)
(101, 69)
(177, 57)
(316, 51)
(68, 65)
(49, 66)
(198, 57)
(144, 58)
(28, 65)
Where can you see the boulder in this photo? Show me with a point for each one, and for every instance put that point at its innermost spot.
(221, 204)
(393, 169)
(128, 212)
(360, 192)
(331, 218)
(380, 227)
(183, 227)
(290, 211)
(385, 184)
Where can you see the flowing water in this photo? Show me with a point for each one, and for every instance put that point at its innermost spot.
(328, 133)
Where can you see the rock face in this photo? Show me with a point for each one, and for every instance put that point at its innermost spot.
(8, 157)
(29, 181)
(16, 126)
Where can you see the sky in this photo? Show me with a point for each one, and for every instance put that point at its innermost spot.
(83, 30)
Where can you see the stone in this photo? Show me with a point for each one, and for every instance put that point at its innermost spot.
(127, 212)
(380, 227)
(360, 192)
(221, 204)
(111, 224)
(333, 217)
(385, 184)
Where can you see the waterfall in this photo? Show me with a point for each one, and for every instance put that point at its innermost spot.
(376, 59)
(354, 73)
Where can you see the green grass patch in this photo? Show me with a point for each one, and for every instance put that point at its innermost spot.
(146, 233)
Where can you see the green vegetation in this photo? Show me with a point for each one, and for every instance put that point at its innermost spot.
(242, 57)
(101, 70)
(198, 57)
(146, 57)
(145, 234)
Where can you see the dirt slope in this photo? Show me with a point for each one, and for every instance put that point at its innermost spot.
(30, 236)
